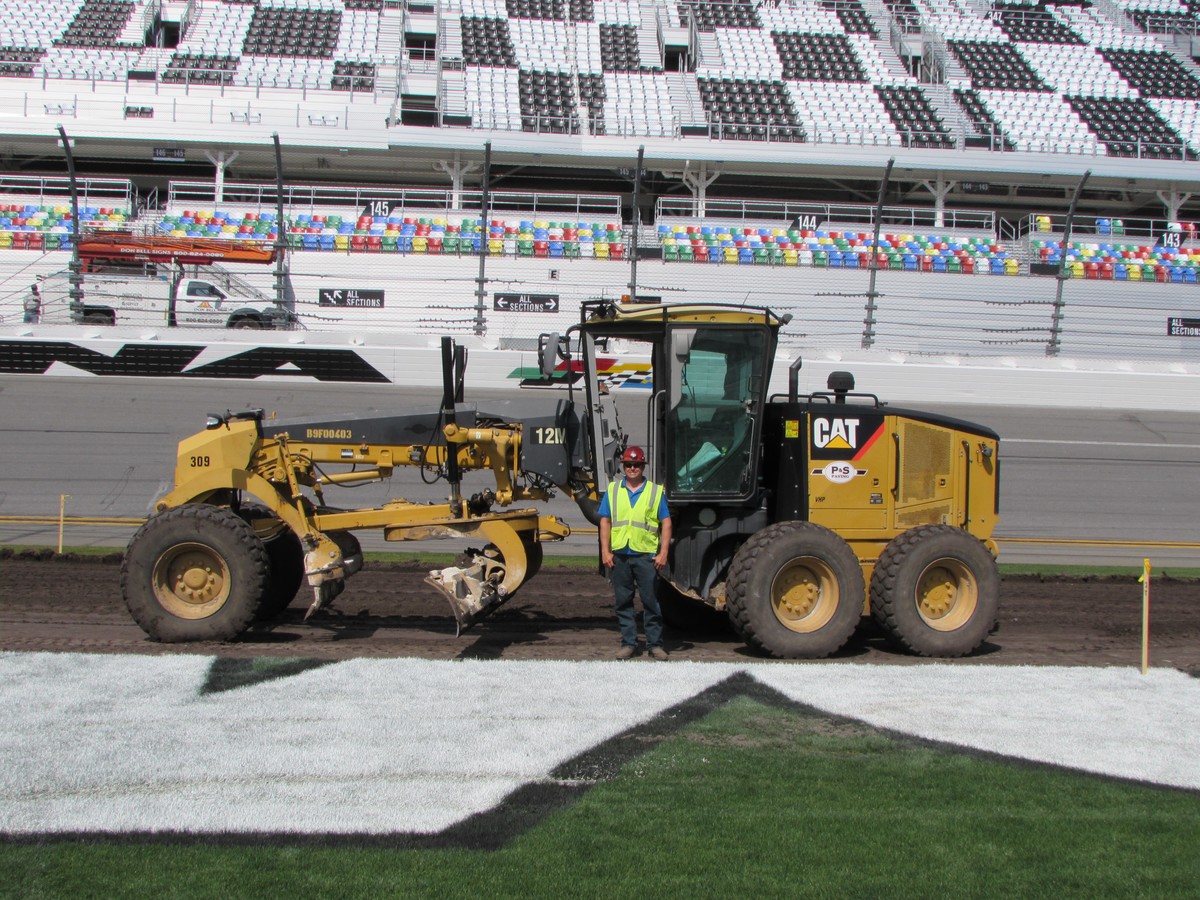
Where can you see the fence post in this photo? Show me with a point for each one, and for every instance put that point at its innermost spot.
(1055, 342)
(868, 338)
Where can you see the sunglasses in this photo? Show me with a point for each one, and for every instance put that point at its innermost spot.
(633, 465)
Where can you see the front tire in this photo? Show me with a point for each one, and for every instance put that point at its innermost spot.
(194, 573)
(795, 591)
(936, 591)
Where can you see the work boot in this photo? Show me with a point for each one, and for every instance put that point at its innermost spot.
(626, 652)
(659, 653)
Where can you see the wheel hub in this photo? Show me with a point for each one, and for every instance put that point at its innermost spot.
(947, 594)
(804, 595)
(191, 581)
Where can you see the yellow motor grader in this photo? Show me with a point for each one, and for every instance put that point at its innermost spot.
(795, 515)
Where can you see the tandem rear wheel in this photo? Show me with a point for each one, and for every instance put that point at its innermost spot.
(936, 591)
(795, 591)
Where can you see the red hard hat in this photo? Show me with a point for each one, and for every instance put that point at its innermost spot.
(634, 454)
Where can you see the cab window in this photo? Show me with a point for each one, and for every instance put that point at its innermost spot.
(718, 378)
(203, 289)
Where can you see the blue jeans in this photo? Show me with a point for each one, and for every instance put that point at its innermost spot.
(637, 571)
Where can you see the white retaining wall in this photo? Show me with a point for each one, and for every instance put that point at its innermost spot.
(415, 360)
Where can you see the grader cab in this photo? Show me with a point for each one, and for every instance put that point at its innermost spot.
(795, 515)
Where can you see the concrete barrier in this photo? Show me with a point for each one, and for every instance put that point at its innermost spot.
(898, 378)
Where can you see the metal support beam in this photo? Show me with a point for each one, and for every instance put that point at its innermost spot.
(457, 171)
(696, 178)
(221, 161)
(940, 189)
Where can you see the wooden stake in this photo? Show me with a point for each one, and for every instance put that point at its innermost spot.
(1145, 580)
(62, 509)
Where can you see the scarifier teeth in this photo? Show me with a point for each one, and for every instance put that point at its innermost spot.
(470, 595)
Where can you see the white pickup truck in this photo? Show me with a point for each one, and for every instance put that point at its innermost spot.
(132, 299)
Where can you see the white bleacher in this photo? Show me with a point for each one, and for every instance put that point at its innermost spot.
(881, 66)
(359, 34)
(18, 28)
(490, 97)
(1178, 7)
(216, 29)
(1182, 115)
(587, 57)
(961, 9)
(745, 53)
(542, 44)
(843, 112)
(486, 9)
(958, 28)
(617, 12)
(105, 64)
(1075, 69)
(1040, 123)
(1102, 32)
(284, 72)
(800, 17)
(638, 104)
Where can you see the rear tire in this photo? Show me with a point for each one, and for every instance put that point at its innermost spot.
(795, 591)
(936, 591)
(194, 573)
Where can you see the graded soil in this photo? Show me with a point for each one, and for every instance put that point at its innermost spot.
(74, 604)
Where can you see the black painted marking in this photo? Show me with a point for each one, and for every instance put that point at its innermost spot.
(173, 360)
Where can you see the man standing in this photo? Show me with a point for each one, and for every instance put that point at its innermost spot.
(635, 535)
(33, 305)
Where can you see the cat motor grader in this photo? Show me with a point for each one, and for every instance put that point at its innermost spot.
(795, 515)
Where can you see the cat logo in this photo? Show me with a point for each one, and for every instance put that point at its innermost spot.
(835, 434)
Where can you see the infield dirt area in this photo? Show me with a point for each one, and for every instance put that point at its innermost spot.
(73, 603)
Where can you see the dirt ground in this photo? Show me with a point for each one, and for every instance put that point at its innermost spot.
(74, 604)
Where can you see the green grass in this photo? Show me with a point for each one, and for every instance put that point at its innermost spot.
(1096, 571)
(754, 801)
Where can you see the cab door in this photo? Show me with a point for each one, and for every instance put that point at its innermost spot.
(716, 381)
(200, 303)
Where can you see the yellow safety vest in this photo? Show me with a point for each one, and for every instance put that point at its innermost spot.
(634, 527)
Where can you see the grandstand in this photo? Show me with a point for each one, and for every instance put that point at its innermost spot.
(764, 129)
(793, 97)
